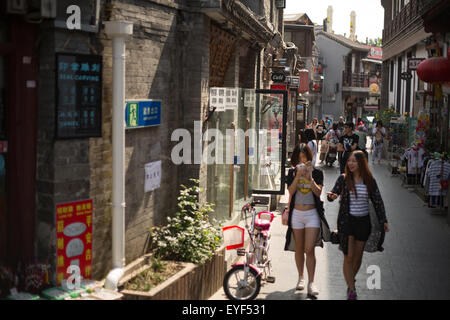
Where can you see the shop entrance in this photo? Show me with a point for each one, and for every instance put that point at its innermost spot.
(18, 119)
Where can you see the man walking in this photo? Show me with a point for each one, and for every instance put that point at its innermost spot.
(347, 143)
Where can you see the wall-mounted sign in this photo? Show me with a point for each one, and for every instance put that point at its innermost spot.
(142, 113)
(413, 63)
(74, 238)
(152, 176)
(278, 77)
(78, 96)
(405, 75)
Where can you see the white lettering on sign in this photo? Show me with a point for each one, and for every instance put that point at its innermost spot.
(74, 20)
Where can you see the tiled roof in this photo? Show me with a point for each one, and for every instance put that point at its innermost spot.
(345, 41)
(293, 17)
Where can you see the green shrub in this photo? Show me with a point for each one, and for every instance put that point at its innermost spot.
(189, 236)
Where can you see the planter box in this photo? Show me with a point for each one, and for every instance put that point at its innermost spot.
(193, 282)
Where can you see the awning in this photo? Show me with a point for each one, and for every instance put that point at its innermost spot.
(372, 60)
(371, 108)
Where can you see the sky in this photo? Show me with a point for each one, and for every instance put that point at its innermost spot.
(369, 15)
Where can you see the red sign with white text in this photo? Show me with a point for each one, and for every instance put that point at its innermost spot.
(74, 238)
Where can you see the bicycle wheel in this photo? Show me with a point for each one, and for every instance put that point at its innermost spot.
(235, 286)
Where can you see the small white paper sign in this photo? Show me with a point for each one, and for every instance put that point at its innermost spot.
(152, 176)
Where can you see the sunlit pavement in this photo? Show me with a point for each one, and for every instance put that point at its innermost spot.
(414, 265)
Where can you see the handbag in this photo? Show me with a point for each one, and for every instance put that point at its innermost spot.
(285, 216)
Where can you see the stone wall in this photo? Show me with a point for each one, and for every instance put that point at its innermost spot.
(167, 60)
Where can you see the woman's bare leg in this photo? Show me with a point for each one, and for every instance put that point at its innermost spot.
(299, 236)
(348, 264)
(310, 245)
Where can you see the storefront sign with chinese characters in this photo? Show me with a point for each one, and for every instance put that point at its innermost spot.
(413, 63)
(142, 113)
(78, 95)
(74, 238)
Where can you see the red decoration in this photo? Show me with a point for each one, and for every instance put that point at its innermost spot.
(435, 70)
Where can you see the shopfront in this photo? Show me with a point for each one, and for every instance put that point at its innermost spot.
(18, 112)
(246, 147)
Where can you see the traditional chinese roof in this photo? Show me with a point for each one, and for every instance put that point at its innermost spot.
(297, 18)
(355, 45)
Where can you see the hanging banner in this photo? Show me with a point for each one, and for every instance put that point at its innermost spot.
(74, 238)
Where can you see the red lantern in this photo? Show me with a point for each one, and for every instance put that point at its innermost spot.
(435, 70)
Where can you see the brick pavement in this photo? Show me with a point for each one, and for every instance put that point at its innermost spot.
(414, 265)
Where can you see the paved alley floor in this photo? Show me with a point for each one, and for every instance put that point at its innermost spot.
(414, 265)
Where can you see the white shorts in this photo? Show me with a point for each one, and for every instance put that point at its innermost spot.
(305, 219)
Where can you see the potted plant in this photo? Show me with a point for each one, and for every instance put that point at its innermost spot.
(193, 241)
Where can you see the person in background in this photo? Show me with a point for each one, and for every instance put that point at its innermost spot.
(341, 124)
(347, 143)
(362, 141)
(378, 135)
(321, 131)
(312, 145)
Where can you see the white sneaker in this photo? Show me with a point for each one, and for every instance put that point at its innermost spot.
(300, 284)
(312, 290)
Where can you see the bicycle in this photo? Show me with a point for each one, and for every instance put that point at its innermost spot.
(243, 280)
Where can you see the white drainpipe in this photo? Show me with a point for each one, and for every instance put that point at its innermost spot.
(119, 31)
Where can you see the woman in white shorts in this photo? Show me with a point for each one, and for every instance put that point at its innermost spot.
(305, 221)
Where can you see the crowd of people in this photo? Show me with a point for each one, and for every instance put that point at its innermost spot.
(320, 134)
(359, 228)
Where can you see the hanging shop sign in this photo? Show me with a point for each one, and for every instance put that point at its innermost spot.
(278, 77)
(405, 75)
(278, 87)
(217, 99)
(78, 96)
(413, 63)
(74, 238)
(294, 82)
(142, 113)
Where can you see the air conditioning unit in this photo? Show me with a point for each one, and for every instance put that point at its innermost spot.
(16, 6)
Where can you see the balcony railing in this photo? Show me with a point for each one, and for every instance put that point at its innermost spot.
(410, 13)
(356, 80)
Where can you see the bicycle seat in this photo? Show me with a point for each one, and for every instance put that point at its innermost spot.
(264, 225)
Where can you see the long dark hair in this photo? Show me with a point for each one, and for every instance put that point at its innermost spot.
(300, 148)
(364, 171)
(309, 134)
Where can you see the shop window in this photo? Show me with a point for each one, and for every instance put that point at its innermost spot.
(251, 136)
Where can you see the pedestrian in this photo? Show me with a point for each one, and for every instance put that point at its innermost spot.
(348, 142)
(355, 230)
(378, 135)
(321, 133)
(328, 122)
(362, 139)
(312, 145)
(341, 123)
(307, 225)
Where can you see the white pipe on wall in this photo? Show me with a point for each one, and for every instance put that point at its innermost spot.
(119, 31)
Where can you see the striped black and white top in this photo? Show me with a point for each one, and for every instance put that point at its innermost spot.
(359, 204)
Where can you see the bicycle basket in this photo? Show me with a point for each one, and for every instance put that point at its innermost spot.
(233, 237)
